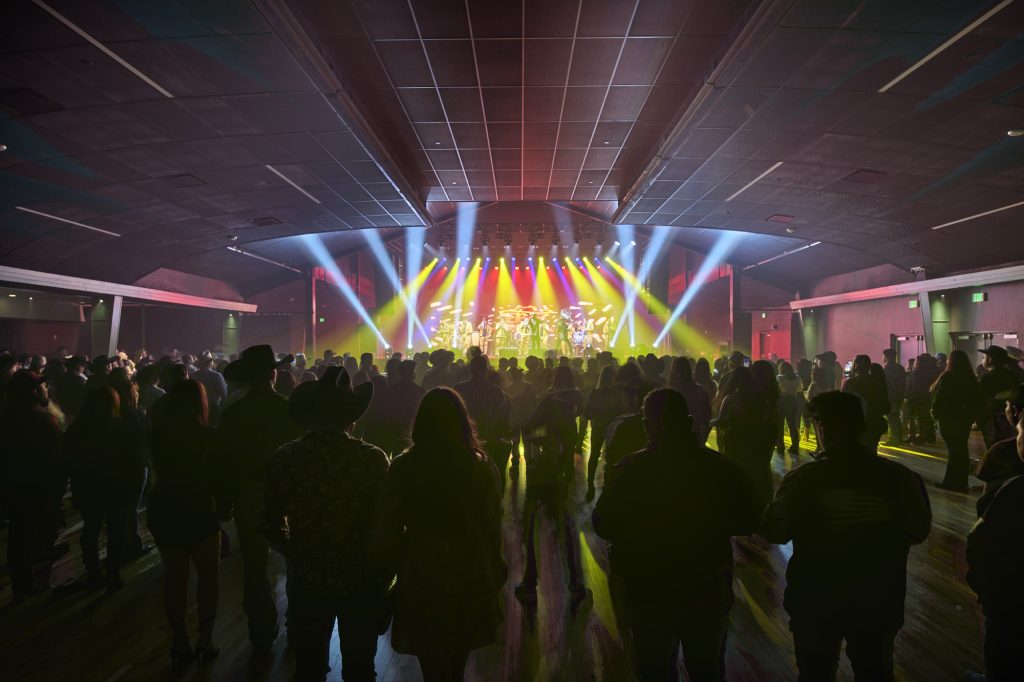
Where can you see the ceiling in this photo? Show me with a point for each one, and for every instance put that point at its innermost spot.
(188, 126)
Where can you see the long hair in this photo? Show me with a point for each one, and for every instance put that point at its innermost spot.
(443, 423)
(563, 379)
(764, 378)
(186, 404)
(958, 369)
(607, 378)
(702, 371)
(786, 370)
(681, 374)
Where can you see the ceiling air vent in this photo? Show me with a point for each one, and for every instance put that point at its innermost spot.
(184, 180)
(865, 176)
(265, 220)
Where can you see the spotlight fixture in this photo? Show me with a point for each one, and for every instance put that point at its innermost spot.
(441, 244)
(555, 241)
(616, 242)
(508, 241)
(576, 240)
(485, 241)
(533, 240)
(1015, 132)
(790, 229)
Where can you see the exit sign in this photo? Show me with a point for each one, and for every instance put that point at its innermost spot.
(979, 297)
(912, 303)
(321, 319)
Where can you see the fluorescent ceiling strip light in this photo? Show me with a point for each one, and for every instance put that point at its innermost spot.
(288, 180)
(102, 48)
(747, 186)
(65, 220)
(979, 215)
(237, 249)
(934, 53)
(782, 255)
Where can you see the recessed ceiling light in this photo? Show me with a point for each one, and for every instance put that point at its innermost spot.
(437, 142)
(3, 147)
(1015, 132)
(605, 142)
(12, 296)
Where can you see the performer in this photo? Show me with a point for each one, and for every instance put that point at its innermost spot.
(562, 336)
(535, 334)
(501, 335)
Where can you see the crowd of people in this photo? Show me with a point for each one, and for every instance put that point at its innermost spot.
(382, 487)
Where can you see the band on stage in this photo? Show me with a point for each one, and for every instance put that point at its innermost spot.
(527, 330)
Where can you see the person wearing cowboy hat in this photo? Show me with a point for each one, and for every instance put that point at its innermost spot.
(320, 496)
(1003, 375)
(214, 383)
(250, 431)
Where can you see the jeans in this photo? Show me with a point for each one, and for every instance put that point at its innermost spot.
(205, 556)
(896, 423)
(257, 600)
(700, 630)
(869, 648)
(562, 520)
(93, 516)
(311, 621)
(598, 430)
(791, 408)
(956, 434)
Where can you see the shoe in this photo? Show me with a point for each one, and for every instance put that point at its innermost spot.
(942, 485)
(526, 594)
(205, 652)
(590, 493)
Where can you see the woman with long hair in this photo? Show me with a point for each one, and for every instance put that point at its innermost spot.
(182, 515)
(702, 377)
(439, 523)
(104, 454)
(954, 405)
(698, 402)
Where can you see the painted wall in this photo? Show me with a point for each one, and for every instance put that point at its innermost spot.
(866, 326)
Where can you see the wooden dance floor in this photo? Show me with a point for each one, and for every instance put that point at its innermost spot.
(87, 636)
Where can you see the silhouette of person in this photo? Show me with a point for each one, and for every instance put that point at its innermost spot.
(955, 402)
(104, 453)
(402, 400)
(669, 512)
(32, 482)
(488, 406)
(549, 475)
(439, 524)
(747, 429)
(250, 431)
(851, 516)
(995, 553)
(320, 495)
(182, 515)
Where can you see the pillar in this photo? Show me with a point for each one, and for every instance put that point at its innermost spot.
(115, 325)
(310, 315)
(740, 326)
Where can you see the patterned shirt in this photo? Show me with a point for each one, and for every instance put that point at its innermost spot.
(319, 507)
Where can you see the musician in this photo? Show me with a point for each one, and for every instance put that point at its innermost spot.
(535, 333)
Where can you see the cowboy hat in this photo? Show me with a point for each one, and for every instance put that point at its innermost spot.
(330, 402)
(258, 360)
(997, 353)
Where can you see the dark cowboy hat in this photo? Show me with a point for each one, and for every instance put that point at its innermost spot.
(997, 353)
(258, 360)
(330, 402)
